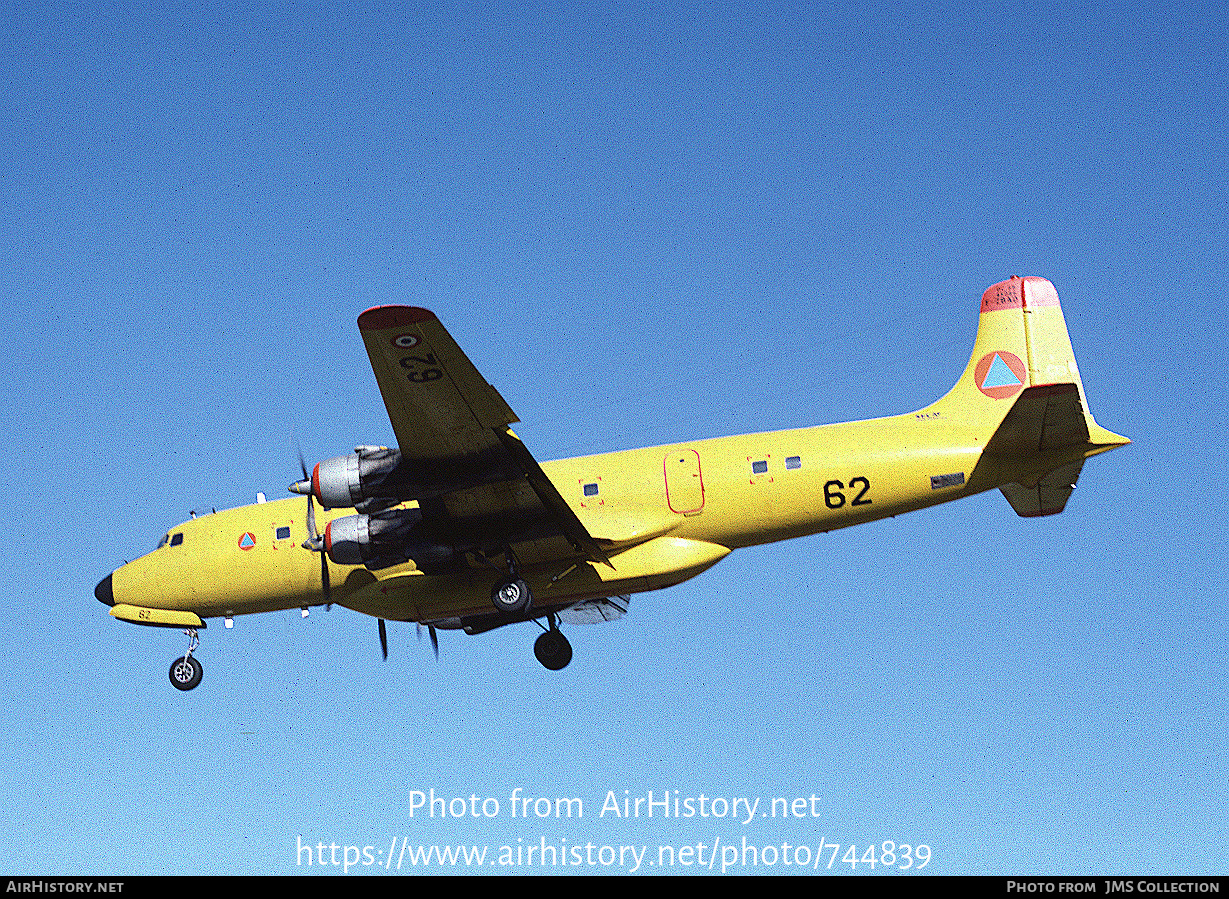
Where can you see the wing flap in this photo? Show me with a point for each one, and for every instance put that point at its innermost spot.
(594, 611)
(549, 495)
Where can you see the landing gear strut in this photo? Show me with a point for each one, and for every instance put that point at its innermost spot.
(552, 648)
(186, 672)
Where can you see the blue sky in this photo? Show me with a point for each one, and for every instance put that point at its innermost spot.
(644, 224)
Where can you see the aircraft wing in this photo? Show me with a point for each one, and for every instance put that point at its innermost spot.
(487, 490)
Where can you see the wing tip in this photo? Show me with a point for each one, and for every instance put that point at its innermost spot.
(378, 318)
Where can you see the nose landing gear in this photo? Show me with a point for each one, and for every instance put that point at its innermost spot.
(186, 672)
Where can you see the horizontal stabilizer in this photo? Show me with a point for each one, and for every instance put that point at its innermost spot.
(593, 611)
(1050, 495)
(1047, 417)
(1046, 425)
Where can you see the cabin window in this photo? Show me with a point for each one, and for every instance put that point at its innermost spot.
(759, 467)
(176, 539)
(793, 461)
(283, 533)
(590, 489)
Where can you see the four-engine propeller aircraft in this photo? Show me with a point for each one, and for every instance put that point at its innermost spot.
(459, 527)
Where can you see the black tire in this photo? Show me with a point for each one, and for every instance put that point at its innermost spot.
(553, 650)
(511, 597)
(186, 672)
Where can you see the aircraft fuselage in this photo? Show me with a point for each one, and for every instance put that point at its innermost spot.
(460, 526)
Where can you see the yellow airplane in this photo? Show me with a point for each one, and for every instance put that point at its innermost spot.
(459, 527)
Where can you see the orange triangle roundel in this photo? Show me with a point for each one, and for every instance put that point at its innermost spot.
(1000, 374)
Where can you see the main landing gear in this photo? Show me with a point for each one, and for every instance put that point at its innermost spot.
(186, 672)
(552, 648)
(512, 597)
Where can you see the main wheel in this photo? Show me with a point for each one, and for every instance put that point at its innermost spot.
(186, 672)
(511, 597)
(553, 650)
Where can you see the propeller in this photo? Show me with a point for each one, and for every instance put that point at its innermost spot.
(304, 486)
(314, 541)
(435, 640)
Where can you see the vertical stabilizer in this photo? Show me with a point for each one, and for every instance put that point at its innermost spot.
(1022, 342)
(1022, 400)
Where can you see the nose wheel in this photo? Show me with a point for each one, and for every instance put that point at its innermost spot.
(186, 672)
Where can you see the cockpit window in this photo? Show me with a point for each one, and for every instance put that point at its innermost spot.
(163, 541)
(176, 539)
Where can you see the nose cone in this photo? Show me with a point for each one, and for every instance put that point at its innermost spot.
(103, 592)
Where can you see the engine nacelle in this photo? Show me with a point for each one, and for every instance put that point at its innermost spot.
(345, 481)
(380, 539)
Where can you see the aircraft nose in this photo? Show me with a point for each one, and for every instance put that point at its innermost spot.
(103, 591)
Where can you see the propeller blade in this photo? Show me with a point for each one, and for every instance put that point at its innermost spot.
(383, 638)
(314, 541)
(302, 487)
(324, 578)
(435, 640)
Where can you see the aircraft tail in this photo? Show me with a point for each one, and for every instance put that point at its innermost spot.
(1022, 397)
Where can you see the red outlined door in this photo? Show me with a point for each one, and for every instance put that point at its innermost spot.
(684, 483)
